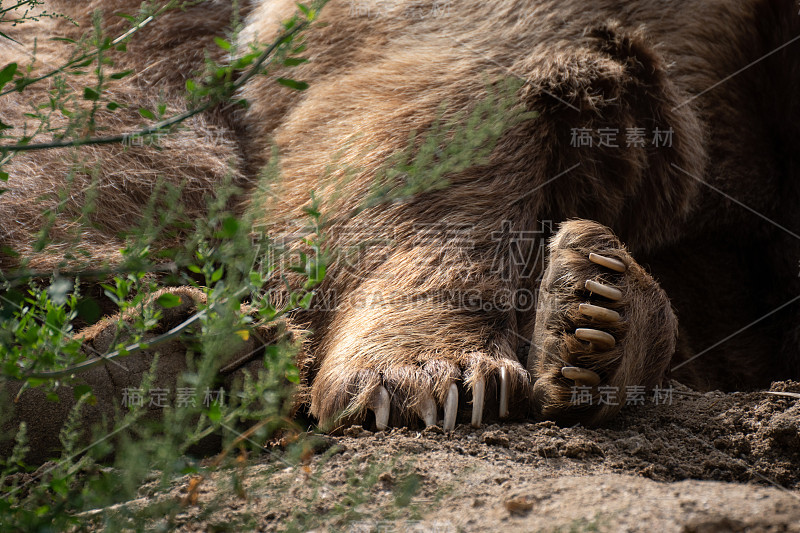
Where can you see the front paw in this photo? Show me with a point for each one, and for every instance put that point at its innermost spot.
(396, 389)
(604, 328)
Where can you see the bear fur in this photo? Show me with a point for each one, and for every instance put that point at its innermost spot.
(712, 215)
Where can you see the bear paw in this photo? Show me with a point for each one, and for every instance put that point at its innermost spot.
(605, 331)
(441, 391)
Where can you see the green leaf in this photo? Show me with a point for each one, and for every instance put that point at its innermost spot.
(191, 85)
(293, 84)
(316, 273)
(80, 390)
(294, 61)
(244, 61)
(214, 413)
(7, 74)
(217, 275)
(112, 106)
(168, 300)
(120, 75)
(9, 38)
(82, 64)
(59, 486)
(229, 227)
(3, 176)
(90, 94)
(305, 303)
(268, 312)
(146, 113)
(222, 43)
(293, 374)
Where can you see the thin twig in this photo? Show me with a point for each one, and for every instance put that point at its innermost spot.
(33, 274)
(112, 139)
(87, 55)
(164, 124)
(133, 348)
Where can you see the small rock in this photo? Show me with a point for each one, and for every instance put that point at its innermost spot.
(519, 506)
(433, 430)
(495, 438)
(355, 432)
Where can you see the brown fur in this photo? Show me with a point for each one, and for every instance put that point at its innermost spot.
(377, 77)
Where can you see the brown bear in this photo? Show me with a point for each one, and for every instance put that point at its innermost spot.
(669, 126)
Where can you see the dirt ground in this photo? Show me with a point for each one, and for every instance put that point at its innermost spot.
(704, 463)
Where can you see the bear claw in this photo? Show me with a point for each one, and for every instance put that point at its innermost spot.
(380, 406)
(608, 262)
(451, 408)
(581, 376)
(503, 412)
(427, 410)
(478, 391)
(599, 313)
(599, 339)
(606, 291)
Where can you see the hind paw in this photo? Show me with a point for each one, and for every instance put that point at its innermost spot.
(603, 326)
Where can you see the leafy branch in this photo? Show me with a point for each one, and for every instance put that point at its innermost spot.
(225, 94)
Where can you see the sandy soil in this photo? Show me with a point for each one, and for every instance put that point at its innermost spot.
(706, 463)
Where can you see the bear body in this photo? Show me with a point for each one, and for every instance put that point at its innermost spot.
(671, 123)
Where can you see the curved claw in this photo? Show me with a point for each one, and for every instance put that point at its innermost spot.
(600, 339)
(599, 313)
(380, 406)
(608, 262)
(503, 393)
(581, 376)
(426, 409)
(451, 408)
(478, 391)
(612, 293)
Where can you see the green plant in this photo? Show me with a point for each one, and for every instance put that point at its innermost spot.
(220, 254)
